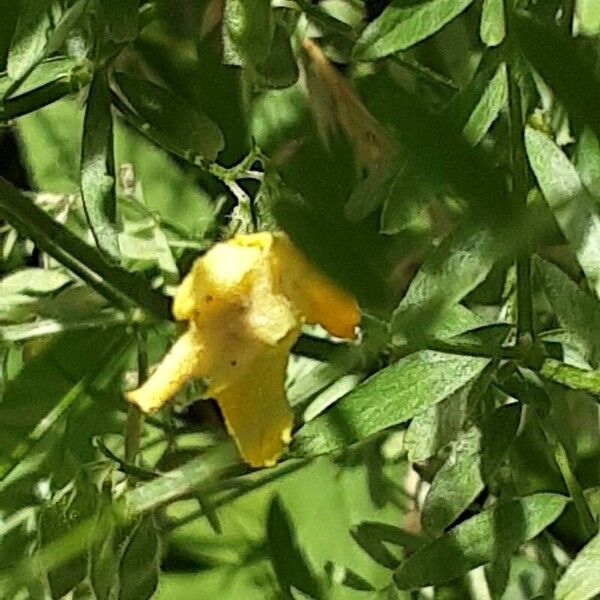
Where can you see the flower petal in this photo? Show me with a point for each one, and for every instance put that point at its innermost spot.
(317, 298)
(185, 360)
(255, 407)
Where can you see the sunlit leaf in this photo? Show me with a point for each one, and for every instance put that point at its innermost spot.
(473, 459)
(492, 28)
(440, 424)
(587, 162)
(59, 516)
(30, 38)
(247, 32)
(575, 212)
(487, 110)
(473, 542)
(400, 27)
(390, 397)
(448, 273)
(577, 311)
(581, 580)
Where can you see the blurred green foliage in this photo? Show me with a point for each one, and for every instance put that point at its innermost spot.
(437, 158)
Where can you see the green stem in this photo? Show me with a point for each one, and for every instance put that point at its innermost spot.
(573, 486)
(568, 14)
(425, 73)
(44, 327)
(572, 377)
(268, 477)
(135, 417)
(520, 187)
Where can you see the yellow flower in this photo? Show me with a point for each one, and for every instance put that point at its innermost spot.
(246, 300)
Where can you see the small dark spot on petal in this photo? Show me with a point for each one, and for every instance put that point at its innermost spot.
(233, 363)
(208, 299)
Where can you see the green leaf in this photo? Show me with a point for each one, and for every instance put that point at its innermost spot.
(290, 566)
(439, 424)
(474, 542)
(564, 64)
(473, 459)
(588, 17)
(581, 580)
(572, 377)
(104, 557)
(448, 274)
(339, 575)
(400, 27)
(114, 283)
(587, 162)
(492, 28)
(574, 210)
(169, 120)
(98, 167)
(28, 102)
(461, 105)
(34, 281)
(373, 191)
(41, 30)
(280, 68)
(139, 567)
(577, 311)
(492, 101)
(69, 19)
(49, 385)
(374, 538)
(47, 71)
(247, 32)
(122, 19)
(29, 41)
(390, 397)
(69, 508)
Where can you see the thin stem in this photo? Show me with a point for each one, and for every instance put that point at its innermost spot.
(568, 14)
(564, 465)
(520, 187)
(572, 377)
(125, 467)
(135, 417)
(44, 327)
(425, 73)
(269, 477)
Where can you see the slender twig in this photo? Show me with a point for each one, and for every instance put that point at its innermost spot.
(243, 488)
(123, 466)
(135, 418)
(45, 327)
(520, 187)
(564, 465)
(568, 14)
(425, 73)
(572, 377)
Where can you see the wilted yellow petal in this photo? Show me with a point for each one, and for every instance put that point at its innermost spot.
(246, 300)
(319, 300)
